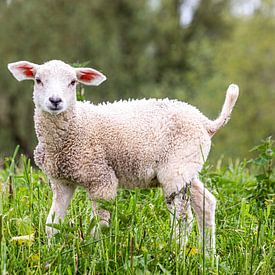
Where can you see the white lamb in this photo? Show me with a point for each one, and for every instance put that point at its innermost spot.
(138, 143)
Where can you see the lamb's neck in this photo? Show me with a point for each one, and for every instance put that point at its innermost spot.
(53, 130)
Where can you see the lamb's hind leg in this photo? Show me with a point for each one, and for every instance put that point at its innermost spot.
(177, 195)
(204, 205)
(181, 217)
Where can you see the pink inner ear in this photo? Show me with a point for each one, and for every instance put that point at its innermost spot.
(27, 70)
(87, 75)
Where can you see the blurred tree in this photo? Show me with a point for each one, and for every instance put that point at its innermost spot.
(145, 52)
(251, 64)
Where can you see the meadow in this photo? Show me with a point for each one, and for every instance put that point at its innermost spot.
(139, 239)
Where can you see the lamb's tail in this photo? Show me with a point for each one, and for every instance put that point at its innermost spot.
(230, 100)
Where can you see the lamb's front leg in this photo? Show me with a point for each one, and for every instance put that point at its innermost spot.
(62, 195)
(103, 186)
(102, 216)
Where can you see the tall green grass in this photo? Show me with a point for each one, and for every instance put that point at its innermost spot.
(139, 238)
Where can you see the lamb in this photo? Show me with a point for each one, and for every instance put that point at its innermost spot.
(135, 143)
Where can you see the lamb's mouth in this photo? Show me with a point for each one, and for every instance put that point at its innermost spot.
(55, 109)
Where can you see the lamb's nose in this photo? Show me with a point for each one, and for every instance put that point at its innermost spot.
(55, 100)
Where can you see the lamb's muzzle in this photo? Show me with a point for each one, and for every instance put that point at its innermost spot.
(138, 143)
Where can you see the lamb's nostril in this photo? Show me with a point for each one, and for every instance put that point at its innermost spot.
(55, 100)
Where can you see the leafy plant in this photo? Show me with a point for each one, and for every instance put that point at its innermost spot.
(263, 190)
(80, 91)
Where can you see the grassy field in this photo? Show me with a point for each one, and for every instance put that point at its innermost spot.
(139, 239)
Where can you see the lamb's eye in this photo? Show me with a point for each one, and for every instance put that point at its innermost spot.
(38, 81)
(73, 82)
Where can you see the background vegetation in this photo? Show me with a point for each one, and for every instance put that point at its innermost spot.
(146, 51)
(139, 238)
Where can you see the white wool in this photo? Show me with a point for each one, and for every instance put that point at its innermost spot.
(129, 143)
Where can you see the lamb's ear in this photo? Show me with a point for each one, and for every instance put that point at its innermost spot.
(22, 70)
(89, 76)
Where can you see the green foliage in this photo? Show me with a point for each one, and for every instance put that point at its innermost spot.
(263, 191)
(80, 93)
(138, 240)
(80, 90)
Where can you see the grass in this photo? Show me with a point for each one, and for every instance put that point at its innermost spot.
(138, 240)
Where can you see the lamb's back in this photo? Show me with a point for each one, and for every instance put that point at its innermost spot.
(144, 112)
(137, 136)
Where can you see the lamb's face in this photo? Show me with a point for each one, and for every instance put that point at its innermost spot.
(55, 82)
(54, 87)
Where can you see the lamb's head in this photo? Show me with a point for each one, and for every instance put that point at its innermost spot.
(55, 82)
